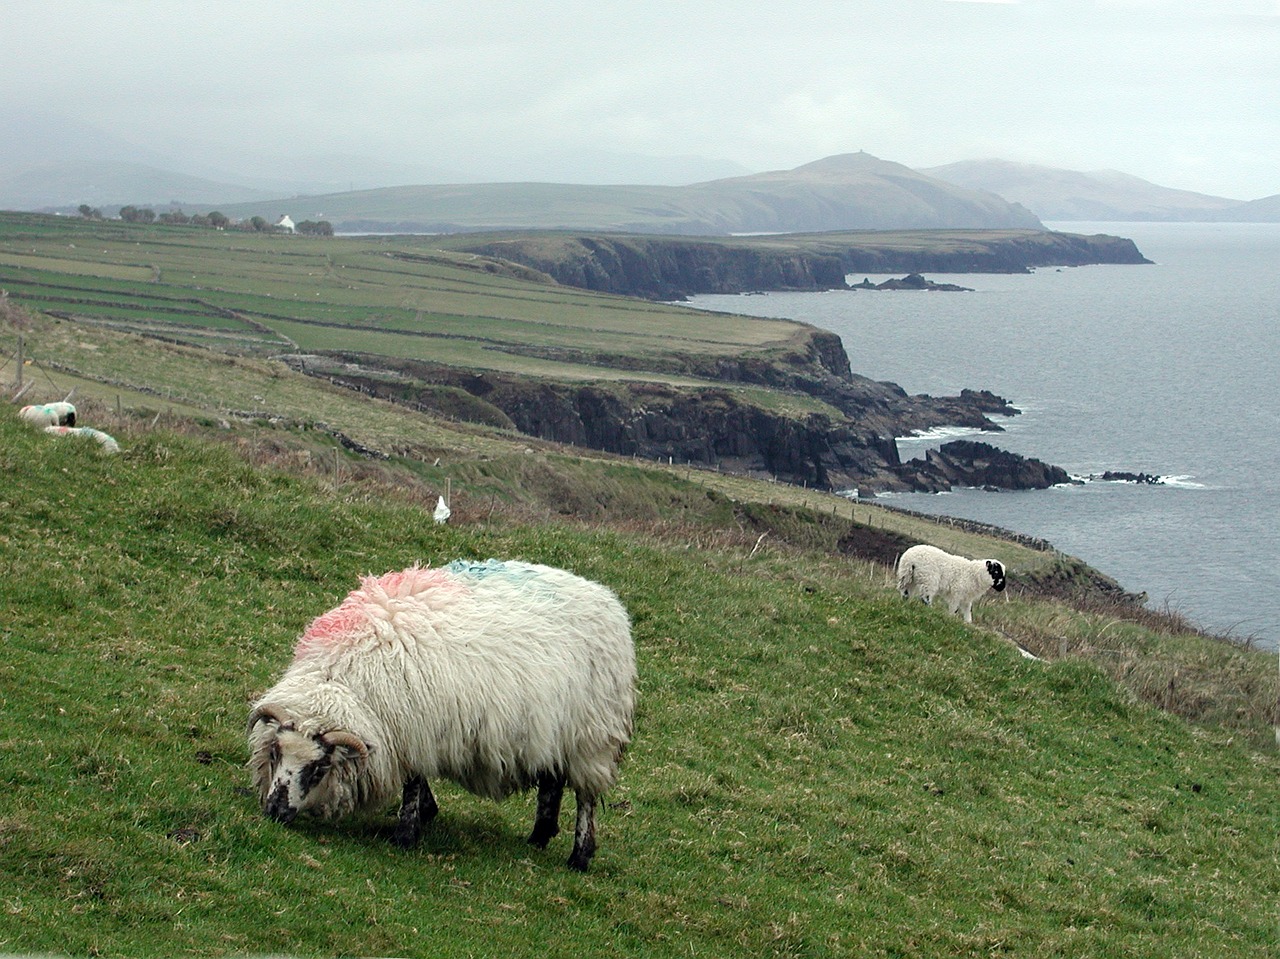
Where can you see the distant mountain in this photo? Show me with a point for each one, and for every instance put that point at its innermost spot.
(110, 183)
(857, 191)
(1054, 194)
(848, 192)
(1265, 210)
(601, 167)
(54, 162)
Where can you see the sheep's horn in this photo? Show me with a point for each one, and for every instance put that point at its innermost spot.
(264, 714)
(341, 737)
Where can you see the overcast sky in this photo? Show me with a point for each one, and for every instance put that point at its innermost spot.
(1185, 93)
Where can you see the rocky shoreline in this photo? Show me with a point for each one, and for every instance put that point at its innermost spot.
(846, 440)
(853, 447)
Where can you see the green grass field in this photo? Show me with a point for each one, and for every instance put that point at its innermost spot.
(400, 297)
(819, 769)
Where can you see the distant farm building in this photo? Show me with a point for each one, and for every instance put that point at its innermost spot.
(286, 224)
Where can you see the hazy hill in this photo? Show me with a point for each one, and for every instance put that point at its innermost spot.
(1055, 194)
(112, 184)
(847, 192)
(1264, 210)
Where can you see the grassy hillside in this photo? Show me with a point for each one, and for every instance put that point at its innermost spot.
(820, 769)
(848, 192)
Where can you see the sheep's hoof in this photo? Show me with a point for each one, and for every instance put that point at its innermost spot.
(406, 838)
(580, 863)
(540, 837)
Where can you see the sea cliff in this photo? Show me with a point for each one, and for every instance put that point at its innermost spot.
(671, 268)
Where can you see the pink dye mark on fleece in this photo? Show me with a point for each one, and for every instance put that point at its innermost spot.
(376, 599)
(407, 582)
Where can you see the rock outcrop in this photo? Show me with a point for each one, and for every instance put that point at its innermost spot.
(912, 281)
(971, 463)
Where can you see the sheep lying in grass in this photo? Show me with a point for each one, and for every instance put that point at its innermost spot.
(49, 414)
(105, 440)
(499, 676)
(929, 572)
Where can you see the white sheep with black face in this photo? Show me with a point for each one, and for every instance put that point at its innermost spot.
(928, 572)
(49, 414)
(499, 676)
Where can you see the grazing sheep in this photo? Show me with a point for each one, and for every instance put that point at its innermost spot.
(927, 571)
(498, 676)
(105, 440)
(49, 414)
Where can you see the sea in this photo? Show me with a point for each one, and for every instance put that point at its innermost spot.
(1171, 369)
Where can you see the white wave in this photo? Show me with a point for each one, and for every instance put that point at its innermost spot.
(1181, 482)
(940, 433)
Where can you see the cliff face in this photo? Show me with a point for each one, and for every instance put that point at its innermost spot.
(711, 426)
(671, 268)
(849, 443)
(1015, 253)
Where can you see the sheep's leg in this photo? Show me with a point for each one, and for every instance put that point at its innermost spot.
(584, 833)
(547, 823)
(417, 808)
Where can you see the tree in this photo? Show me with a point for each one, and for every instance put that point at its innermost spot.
(90, 212)
(218, 220)
(316, 228)
(133, 214)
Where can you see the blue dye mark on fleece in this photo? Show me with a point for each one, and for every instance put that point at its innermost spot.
(490, 567)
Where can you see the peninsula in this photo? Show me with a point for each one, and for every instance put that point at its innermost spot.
(671, 268)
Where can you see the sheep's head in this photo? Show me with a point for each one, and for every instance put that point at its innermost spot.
(294, 771)
(995, 569)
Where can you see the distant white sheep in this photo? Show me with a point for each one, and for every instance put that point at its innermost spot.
(105, 440)
(49, 414)
(499, 676)
(929, 572)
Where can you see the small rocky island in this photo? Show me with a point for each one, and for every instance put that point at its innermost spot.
(912, 281)
(1125, 476)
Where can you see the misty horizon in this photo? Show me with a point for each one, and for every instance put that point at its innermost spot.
(310, 97)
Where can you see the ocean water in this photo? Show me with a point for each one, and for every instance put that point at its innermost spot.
(1168, 369)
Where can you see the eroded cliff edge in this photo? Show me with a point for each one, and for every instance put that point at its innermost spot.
(837, 434)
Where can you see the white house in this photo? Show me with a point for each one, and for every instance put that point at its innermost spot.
(285, 223)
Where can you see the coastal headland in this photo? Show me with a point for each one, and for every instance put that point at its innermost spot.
(671, 267)
(540, 333)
